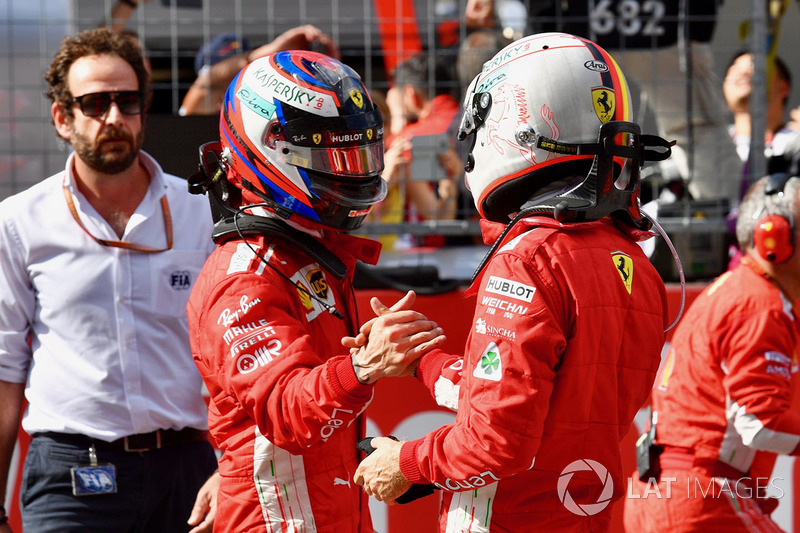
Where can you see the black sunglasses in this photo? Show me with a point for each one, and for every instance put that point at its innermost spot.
(97, 104)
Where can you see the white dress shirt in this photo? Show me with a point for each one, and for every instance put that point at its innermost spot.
(110, 352)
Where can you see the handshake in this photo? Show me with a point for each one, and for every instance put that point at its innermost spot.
(390, 345)
(415, 492)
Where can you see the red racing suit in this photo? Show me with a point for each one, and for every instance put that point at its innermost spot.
(564, 348)
(284, 400)
(723, 393)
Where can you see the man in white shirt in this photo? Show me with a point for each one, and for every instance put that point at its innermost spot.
(97, 263)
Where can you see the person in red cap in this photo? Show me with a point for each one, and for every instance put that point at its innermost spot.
(722, 403)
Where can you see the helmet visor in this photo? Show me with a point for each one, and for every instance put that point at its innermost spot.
(359, 160)
(345, 204)
(355, 194)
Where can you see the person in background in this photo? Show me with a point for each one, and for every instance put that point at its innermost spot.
(422, 105)
(391, 210)
(226, 55)
(737, 88)
(570, 317)
(780, 140)
(289, 179)
(723, 398)
(97, 263)
(121, 12)
(478, 47)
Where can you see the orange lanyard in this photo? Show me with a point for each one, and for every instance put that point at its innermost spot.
(125, 244)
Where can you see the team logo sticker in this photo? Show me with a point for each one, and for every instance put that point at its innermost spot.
(357, 97)
(604, 103)
(317, 138)
(489, 366)
(624, 265)
(313, 290)
(305, 297)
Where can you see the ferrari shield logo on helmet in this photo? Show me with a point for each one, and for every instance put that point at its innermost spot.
(369, 135)
(604, 103)
(624, 265)
(317, 137)
(357, 97)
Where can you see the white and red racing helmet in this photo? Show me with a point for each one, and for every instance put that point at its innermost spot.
(543, 116)
(300, 134)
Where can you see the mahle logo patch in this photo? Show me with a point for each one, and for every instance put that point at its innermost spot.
(624, 265)
(489, 366)
(604, 103)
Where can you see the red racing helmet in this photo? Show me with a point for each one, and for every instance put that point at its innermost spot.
(301, 135)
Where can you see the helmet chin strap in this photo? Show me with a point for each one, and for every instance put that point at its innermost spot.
(231, 221)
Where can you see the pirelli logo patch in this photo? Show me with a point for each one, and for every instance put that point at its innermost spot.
(512, 289)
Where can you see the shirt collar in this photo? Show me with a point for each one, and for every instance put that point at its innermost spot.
(151, 201)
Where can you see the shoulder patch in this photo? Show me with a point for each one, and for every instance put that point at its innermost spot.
(624, 265)
(310, 280)
(510, 288)
(240, 260)
(489, 366)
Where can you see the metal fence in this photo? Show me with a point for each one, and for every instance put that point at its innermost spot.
(374, 35)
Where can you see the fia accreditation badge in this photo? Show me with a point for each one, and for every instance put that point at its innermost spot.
(94, 478)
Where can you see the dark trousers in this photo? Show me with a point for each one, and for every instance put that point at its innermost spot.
(155, 489)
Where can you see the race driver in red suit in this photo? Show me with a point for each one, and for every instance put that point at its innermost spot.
(570, 317)
(723, 397)
(298, 165)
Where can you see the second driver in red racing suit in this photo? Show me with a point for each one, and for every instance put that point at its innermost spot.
(570, 315)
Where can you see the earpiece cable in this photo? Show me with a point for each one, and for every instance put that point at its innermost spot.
(678, 263)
